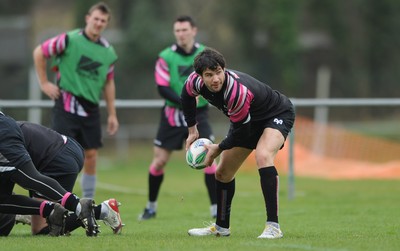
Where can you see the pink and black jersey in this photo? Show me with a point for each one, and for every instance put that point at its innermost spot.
(243, 99)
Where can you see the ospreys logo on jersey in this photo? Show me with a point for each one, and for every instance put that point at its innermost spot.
(278, 121)
(88, 68)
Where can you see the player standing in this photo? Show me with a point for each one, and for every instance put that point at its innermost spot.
(173, 66)
(84, 61)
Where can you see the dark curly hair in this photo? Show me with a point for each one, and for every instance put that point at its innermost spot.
(208, 59)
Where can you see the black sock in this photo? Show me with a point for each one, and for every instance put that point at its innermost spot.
(97, 211)
(154, 186)
(210, 184)
(270, 186)
(48, 208)
(225, 192)
(72, 222)
(72, 202)
(44, 231)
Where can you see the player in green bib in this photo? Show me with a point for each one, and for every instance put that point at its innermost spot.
(173, 66)
(84, 62)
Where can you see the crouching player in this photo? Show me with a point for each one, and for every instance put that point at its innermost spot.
(61, 158)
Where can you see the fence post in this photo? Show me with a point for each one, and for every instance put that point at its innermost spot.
(291, 188)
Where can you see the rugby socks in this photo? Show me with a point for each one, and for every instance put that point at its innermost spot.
(43, 231)
(269, 180)
(72, 222)
(71, 202)
(210, 184)
(88, 184)
(225, 192)
(209, 179)
(45, 208)
(156, 178)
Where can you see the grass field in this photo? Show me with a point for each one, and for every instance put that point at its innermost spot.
(324, 215)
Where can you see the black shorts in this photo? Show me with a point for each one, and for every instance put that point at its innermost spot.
(85, 130)
(65, 166)
(68, 160)
(282, 122)
(173, 137)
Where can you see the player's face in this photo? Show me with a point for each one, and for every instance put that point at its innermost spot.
(96, 22)
(184, 34)
(214, 79)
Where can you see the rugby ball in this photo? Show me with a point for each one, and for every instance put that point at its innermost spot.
(196, 154)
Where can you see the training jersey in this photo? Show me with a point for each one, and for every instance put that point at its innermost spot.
(173, 67)
(243, 99)
(42, 143)
(82, 67)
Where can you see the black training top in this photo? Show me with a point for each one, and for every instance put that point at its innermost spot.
(243, 99)
(42, 143)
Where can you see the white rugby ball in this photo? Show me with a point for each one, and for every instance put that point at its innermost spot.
(196, 154)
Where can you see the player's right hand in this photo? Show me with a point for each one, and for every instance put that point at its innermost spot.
(193, 135)
(51, 90)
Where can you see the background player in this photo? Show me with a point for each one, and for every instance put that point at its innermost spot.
(173, 66)
(85, 70)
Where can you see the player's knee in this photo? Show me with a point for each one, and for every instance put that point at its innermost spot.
(90, 155)
(265, 159)
(159, 162)
(223, 176)
(90, 161)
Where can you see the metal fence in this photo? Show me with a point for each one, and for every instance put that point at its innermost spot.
(320, 114)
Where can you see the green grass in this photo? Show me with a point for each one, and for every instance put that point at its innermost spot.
(324, 215)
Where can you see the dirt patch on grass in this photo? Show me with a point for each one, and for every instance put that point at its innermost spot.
(331, 152)
(311, 165)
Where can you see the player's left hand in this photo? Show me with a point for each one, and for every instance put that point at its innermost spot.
(213, 152)
(112, 125)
